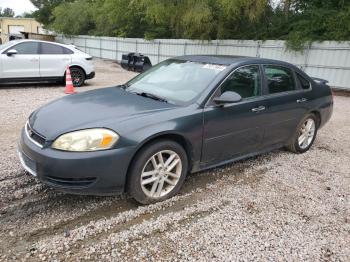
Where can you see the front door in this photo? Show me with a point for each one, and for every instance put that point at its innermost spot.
(235, 129)
(24, 64)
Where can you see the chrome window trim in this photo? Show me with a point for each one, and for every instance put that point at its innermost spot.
(27, 168)
(28, 136)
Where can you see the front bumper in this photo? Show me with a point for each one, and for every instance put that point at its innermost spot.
(87, 173)
(91, 75)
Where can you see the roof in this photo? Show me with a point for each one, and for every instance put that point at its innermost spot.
(22, 32)
(17, 18)
(35, 40)
(227, 59)
(42, 41)
(214, 59)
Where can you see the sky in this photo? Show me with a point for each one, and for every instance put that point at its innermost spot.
(19, 6)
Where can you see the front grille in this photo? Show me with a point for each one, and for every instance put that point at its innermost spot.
(34, 136)
(71, 182)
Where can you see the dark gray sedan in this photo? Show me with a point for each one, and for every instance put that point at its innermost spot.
(183, 115)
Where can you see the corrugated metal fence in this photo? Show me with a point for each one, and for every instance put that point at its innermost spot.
(329, 60)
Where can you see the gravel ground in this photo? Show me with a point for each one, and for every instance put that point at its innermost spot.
(278, 206)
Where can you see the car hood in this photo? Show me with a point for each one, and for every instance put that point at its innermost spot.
(97, 108)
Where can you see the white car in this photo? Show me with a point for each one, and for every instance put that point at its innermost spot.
(34, 60)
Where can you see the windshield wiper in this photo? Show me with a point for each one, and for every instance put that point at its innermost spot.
(152, 96)
(124, 86)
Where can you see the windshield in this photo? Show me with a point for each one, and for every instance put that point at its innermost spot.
(176, 81)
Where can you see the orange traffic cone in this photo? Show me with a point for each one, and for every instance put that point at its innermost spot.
(69, 84)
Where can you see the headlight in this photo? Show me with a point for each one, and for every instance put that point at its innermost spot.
(86, 140)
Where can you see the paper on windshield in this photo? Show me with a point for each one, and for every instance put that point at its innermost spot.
(214, 67)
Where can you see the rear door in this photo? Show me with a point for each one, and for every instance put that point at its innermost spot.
(235, 129)
(24, 64)
(53, 60)
(286, 102)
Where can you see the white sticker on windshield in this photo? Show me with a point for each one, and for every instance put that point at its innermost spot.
(214, 67)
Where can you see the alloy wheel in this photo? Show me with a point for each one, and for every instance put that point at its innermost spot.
(161, 174)
(77, 77)
(306, 133)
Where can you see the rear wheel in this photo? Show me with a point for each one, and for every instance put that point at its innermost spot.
(158, 172)
(78, 76)
(305, 135)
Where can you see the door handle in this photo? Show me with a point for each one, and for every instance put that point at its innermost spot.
(302, 100)
(258, 109)
(34, 60)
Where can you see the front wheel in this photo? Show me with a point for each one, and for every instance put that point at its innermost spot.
(305, 135)
(158, 172)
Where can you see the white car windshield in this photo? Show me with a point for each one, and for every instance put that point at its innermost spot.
(176, 81)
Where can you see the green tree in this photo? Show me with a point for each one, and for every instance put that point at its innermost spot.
(204, 19)
(66, 20)
(7, 12)
(297, 21)
(27, 15)
(124, 18)
(43, 14)
(318, 20)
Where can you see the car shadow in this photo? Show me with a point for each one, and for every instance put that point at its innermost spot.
(29, 85)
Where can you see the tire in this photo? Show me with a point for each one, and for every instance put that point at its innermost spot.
(149, 181)
(78, 76)
(295, 145)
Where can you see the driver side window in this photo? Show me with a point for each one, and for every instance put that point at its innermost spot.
(29, 48)
(245, 81)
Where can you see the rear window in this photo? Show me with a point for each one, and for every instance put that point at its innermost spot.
(51, 49)
(304, 83)
(67, 51)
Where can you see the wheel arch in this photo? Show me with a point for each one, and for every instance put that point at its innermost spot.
(318, 117)
(173, 136)
(75, 65)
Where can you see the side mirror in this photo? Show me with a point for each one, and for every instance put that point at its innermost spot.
(11, 52)
(227, 97)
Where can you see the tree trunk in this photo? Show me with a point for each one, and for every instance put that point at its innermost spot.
(286, 7)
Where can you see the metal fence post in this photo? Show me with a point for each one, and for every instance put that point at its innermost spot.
(116, 49)
(258, 49)
(217, 47)
(158, 54)
(185, 47)
(136, 46)
(306, 59)
(100, 48)
(85, 44)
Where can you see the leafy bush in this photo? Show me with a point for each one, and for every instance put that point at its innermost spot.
(300, 22)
